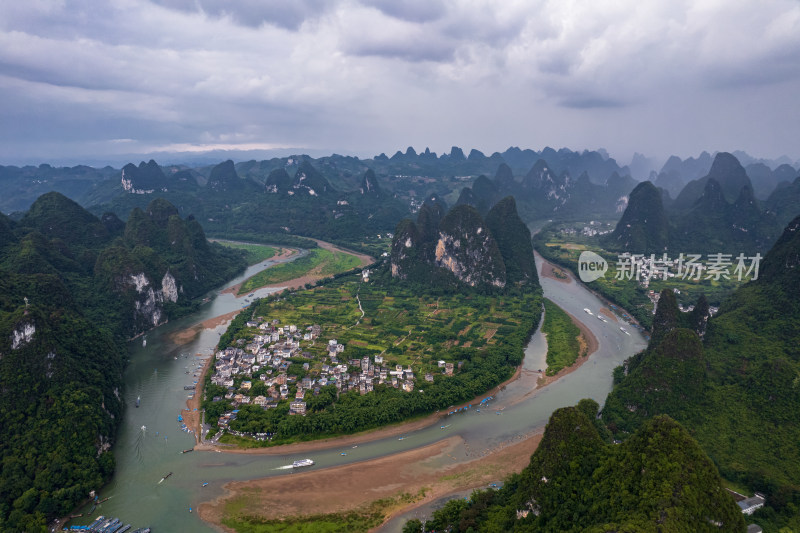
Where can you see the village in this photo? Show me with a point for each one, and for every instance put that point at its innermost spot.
(279, 358)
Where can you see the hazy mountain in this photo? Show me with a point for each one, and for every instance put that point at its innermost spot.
(223, 178)
(728, 173)
(644, 226)
(714, 225)
(369, 185)
(785, 202)
(278, 181)
(310, 181)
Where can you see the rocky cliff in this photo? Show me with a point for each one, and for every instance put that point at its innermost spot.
(464, 248)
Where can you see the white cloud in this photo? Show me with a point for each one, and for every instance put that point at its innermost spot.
(370, 73)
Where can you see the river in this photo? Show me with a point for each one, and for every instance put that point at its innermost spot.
(150, 440)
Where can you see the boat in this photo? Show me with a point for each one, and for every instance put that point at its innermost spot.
(302, 462)
(138, 399)
(587, 311)
(166, 476)
(445, 427)
(187, 451)
(204, 484)
(97, 521)
(144, 343)
(342, 453)
(251, 295)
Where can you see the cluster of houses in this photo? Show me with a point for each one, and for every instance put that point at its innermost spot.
(270, 353)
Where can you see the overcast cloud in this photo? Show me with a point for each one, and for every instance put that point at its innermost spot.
(86, 78)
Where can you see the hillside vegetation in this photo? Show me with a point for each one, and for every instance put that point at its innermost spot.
(73, 288)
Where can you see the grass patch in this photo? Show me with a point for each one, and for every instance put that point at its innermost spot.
(361, 519)
(254, 253)
(318, 262)
(563, 346)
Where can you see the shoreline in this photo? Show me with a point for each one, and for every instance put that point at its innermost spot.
(283, 253)
(410, 471)
(361, 437)
(607, 301)
(362, 483)
(299, 282)
(368, 477)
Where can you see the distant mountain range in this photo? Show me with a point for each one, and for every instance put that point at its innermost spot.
(344, 198)
(714, 213)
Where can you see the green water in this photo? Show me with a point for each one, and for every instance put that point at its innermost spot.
(158, 372)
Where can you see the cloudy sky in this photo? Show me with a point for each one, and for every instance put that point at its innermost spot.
(90, 78)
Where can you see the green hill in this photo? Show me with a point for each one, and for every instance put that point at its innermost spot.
(659, 480)
(72, 288)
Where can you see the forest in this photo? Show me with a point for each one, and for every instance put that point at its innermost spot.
(67, 306)
(658, 479)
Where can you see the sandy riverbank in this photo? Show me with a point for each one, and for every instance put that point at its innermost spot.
(310, 277)
(551, 271)
(283, 253)
(356, 485)
(352, 486)
(192, 414)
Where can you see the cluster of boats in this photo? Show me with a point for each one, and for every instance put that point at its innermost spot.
(603, 319)
(102, 524)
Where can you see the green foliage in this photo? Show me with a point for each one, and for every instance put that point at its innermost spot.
(408, 327)
(666, 318)
(318, 261)
(739, 394)
(658, 480)
(254, 253)
(564, 250)
(362, 519)
(668, 379)
(514, 241)
(562, 334)
(63, 349)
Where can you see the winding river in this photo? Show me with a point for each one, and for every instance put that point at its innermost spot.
(150, 440)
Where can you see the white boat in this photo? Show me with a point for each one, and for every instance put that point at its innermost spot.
(302, 462)
(587, 311)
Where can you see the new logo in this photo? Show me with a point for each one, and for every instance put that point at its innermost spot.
(591, 266)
